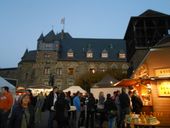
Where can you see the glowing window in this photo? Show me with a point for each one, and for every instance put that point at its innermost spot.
(104, 54)
(89, 54)
(70, 53)
(122, 55)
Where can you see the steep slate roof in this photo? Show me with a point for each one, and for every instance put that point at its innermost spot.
(41, 37)
(29, 56)
(81, 45)
(26, 52)
(4, 69)
(50, 37)
(66, 35)
(152, 13)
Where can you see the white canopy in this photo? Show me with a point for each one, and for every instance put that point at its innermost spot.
(4, 82)
(74, 89)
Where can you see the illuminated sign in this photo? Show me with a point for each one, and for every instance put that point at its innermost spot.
(162, 72)
(163, 88)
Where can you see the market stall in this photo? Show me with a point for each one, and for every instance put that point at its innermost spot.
(36, 89)
(105, 86)
(74, 89)
(143, 87)
(153, 80)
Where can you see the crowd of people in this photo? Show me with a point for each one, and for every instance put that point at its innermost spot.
(26, 111)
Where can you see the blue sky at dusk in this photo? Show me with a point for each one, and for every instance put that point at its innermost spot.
(22, 21)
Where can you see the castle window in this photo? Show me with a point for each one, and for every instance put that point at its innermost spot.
(59, 83)
(70, 53)
(104, 54)
(70, 81)
(57, 46)
(47, 45)
(89, 54)
(45, 82)
(59, 71)
(92, 70)
(46, 56)
(26, 75)
(46, 71)
(70, 71)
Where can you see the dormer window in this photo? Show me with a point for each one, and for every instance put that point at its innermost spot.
(70, 53)
(47, 45)
(122, 55)
(57, 46)
(89, 54)
(104, 54)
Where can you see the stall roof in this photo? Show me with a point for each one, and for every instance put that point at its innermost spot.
(131, 82)
(4, 82)
(126, 82)
(74, 89)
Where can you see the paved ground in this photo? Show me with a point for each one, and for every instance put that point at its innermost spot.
(43, 123)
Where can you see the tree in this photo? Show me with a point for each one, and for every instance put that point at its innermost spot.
(88, 79)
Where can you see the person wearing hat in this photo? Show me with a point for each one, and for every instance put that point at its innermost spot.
(22, 114)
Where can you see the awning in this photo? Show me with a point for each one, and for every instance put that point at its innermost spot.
(131, 82)
(126, 82)
(74, 89)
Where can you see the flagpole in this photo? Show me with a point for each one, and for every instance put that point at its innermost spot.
(63, 26)
(63, 22)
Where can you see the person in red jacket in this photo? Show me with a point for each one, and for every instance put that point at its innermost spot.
(6, 102)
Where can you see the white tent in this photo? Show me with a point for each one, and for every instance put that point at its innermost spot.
(74, 89)
(4, 82)
(96, 91)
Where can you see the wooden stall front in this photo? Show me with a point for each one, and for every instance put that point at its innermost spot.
(143, 88)
(155, 94)
(161, 100)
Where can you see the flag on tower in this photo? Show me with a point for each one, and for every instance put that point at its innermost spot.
(63, 20)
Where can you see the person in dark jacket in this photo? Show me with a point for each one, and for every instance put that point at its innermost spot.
(62, 107)
(136, 103)
(49, 105)
(90, 110)
(111, 111)
(33, 99)
(124, 107)
(100, 109)
(22, 114)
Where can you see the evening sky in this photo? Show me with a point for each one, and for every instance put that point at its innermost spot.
(22, 21)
